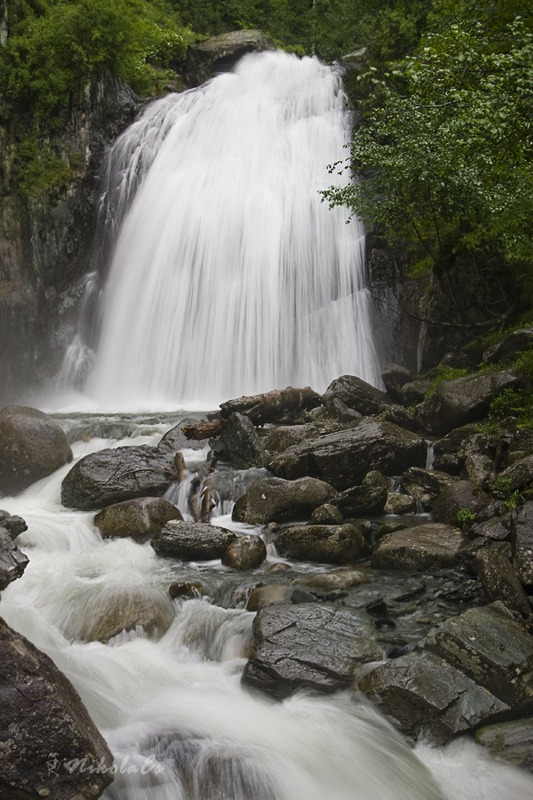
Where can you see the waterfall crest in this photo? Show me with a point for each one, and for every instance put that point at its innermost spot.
(229, 274)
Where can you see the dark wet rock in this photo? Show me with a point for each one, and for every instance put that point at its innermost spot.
(413, 392)
(460, 495)
(279, 500)
(479, 464)
(523, 534)
(427, 695)
(326, 514)
(508, 348)
(328, 544)
(192, 541)
(221, 53)
(343, 458)
(350, 392)
(279, 438)
(339, 580)
(43, 721)
(32, 446)
(186, 589)
(244, 553)
(449, 453)
(427, 546)
(241, 444)
(112, 475)
(499, 579)
(12, 561)
(512, 741)
(394, 378)
(311, 646)
(492, 649)
(139, 519)
(398, 503)
(458, 402)
(518, 476)
(274, 594)
(175, 439)
(425, 485)
(13, 524)
(495, 528)
(148, 610)
(367, 499)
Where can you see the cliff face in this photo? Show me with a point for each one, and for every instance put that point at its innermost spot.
(45, 240)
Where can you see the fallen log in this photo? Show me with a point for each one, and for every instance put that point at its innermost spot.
(270, 406)
(204, 429)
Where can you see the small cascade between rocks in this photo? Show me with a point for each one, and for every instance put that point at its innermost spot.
(229, 274)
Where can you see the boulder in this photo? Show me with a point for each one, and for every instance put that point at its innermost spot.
(245, 553)
(32, 446)
(394, 377)
(398, 503)
(511, 346)
(12, 561)
(328, 544)
(309, 646)
(499, 579)
(13, 524)
(343, 458)
(458, 402)
(428, 696)
(367, 499)
(283, 436)
(221, 53)
(327, 514)
(241, 444)
(492, 649)
(339, 580)
(192, 541)
(457, 496)
(512, 741)
(175, 439)
(112, 475)
(517, 476)
(139, 518)
(413, 392)
(45, 730)
(425, 485)
(116, 611)
(449, 453)
(350, 392)
(279, 500)
(275, 594)
(522, 526)
(427, 546)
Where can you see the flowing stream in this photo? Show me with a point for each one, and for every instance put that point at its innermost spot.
(179, 723)
(230, 275)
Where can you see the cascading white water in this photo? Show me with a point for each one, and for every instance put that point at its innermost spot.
(230, 275)
(172, 709)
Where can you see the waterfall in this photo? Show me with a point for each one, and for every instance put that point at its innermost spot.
(230, 275)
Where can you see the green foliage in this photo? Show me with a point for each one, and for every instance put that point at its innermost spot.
(444, 148)
(443, 374)
(517, 403)
(465, 518)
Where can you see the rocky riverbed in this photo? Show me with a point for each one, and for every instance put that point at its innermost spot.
(385, 548)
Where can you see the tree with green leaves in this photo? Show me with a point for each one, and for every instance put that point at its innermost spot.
(443, 155)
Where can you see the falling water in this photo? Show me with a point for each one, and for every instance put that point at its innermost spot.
(230, 275)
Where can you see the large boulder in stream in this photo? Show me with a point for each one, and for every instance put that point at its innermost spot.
(49, 744)
(32, 446)
(112, 475)
(139, 519)
(428, 546)
(327, 544)
(192, 541)
(280, 500)
(308, 646)
(343, 458)
(458, 402)
(12, 561)
(473, 669)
